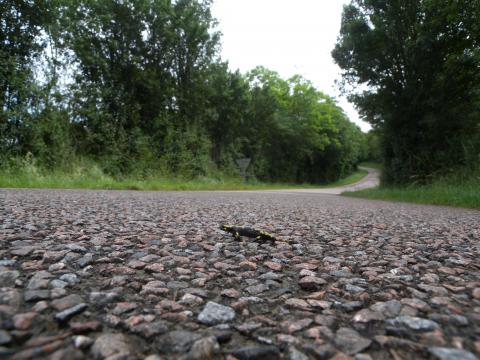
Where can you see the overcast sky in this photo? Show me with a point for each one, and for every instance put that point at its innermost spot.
(287, 36)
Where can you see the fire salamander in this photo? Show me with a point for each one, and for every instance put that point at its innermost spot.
(238, 231)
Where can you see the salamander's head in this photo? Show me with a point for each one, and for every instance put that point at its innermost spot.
(226, 227)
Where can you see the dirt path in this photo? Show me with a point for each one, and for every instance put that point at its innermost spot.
(133, 275)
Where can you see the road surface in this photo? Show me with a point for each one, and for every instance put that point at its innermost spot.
(133, 275)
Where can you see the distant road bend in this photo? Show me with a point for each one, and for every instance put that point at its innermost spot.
(370, 181)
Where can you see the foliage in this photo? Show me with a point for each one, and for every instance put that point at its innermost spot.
(86, 174)
(459, 189)
(417, 62)
(373, 146)
(304, 135)
(20, 27)
(137, 89)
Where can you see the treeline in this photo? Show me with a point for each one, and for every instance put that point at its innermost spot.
(417, 63)
(138, 87)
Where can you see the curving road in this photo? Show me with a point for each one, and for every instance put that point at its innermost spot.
(134, 275)
(371, 180)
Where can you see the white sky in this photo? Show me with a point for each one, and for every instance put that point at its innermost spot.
(287, 36)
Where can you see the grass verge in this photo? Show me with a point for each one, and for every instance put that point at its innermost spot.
(442, 192)
(101, 181)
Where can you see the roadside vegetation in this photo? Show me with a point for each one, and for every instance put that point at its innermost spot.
(136, 89)
(425, 114)
(453, 190)
(89, 176)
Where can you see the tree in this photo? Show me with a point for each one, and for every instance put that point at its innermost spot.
(142, 65)
(137, 86)
(419, 61)
(296, 132)
(228, 102)
(20, 25)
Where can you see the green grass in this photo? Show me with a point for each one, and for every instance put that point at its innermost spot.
(97, 180)
(458, 191)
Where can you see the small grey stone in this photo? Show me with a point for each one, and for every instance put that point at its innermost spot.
(11, 297)
(149, 258)
(56, 266)
(5, 338)
(82, 342)
(153, 357)
(71, 279)
(8, 277)
(257, 353)
(349, 305)
(319, 351)
(178, 341)
(35, 284)
(443, 353)
(195, 291)
(388, 309)
(350, 341)
(67, 314)
(107, 345)
(71, 257)
(56, 293)
(36, 295)
(85, 260)
(341, 273)
(362, 357)
(311, 283)
(103, 298)
(39, 281)
(76, 248)
(138, 255)
(149, 330)
(177, 285)
(270, 276)
(456, 320)
(67, 302)
(23, 251)
(214, 313)
(204, 349)
(354, 289)
(434, 290)
(413, 323)
(7, 262)
(189, 299)
(58, 284)
(257, 289)
(294, 354)
(252, 299)
(367, 315)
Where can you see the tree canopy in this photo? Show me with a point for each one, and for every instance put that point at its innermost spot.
(414, 67)
(139, 87)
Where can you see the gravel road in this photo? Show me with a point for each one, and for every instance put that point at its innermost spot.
(133, 275)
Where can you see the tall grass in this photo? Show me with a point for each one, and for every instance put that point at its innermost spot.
(88, 175)
(460, 189)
